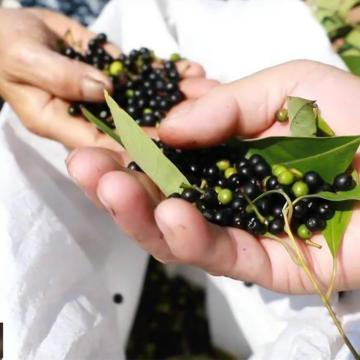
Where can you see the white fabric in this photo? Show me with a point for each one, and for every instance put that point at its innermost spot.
(63, 259)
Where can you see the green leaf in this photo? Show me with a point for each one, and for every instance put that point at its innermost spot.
(328, 156)
(336, 226)
(353, 38)
(323, 127)
(353, 63)
(100, 124)
(302, 116)
(145, 152)
(328, 4)
(353, 194)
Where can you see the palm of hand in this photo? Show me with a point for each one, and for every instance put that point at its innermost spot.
(174, 231)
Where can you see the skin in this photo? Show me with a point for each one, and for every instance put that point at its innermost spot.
(39, 83)
(174, 231)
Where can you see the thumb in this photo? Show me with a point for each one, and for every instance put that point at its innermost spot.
(245, 107)
(65, 78)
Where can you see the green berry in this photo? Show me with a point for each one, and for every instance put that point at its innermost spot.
(229, 171)
(282, 115)
(147, 111)
(225, 196)
(286, 178)
(300, 188)
(129, 93)
(278, 169)
(218, 189)
(303, 232)
(223, 164)
(175, 57)
(116, 68)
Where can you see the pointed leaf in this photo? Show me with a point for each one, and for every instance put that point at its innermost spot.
(323, 128)
(302, 117)
(336, 226)
(145, 152)
(100, 125)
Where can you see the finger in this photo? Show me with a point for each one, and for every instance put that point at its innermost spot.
(44, 68)
(51, 119)
(87, 165)
(245, 107)
(220, 251)
(190, 69)
(194, 88)
(117, 190)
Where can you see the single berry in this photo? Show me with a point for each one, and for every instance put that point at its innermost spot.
(282, 115)
(209, 214)
(243, 162)
(223, 164)
(251, 190)
(74, 109)
(116, 68)
(134, 166)
(229, 171)
(277, 211)
(234, 181)
(223, 217)
(271, 183)
(264, 206)
(315, 224)
(256, 159)
(246, 171)
(225, 196)
(278, 169)
(313, 180)
(210, 198)
(239, 203)
(211, 173)
(325, 211)
(190, 195)
(276, 226)
(303, 232)
(344, 182)
(261, 170)
(300, 210)
(118, 298)
(286, 177)
(101, 38)
(255, 226)
(300, 188)
(175, 57)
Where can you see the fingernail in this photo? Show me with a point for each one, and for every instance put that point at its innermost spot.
(93, 88)
(176, 115)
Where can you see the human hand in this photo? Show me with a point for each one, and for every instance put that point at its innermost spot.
(38, 82)
(175, 231)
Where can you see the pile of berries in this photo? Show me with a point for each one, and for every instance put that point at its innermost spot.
(144, 86)
(226, 185)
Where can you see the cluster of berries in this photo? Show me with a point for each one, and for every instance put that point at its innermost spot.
(144, 86)
(226, 186)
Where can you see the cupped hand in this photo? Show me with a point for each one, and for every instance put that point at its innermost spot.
(38, 82)
(173, 230)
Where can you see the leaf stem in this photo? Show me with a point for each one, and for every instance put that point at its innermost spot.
(316, 286)
(255, 209)
(332, 280)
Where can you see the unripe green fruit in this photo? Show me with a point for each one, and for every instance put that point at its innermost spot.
(286, 178)
(225, 196)
(282, 115)
(303, 232)
(229, 171)
(223, 164)
(116, 68)
(300, 188)
(278, 169)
